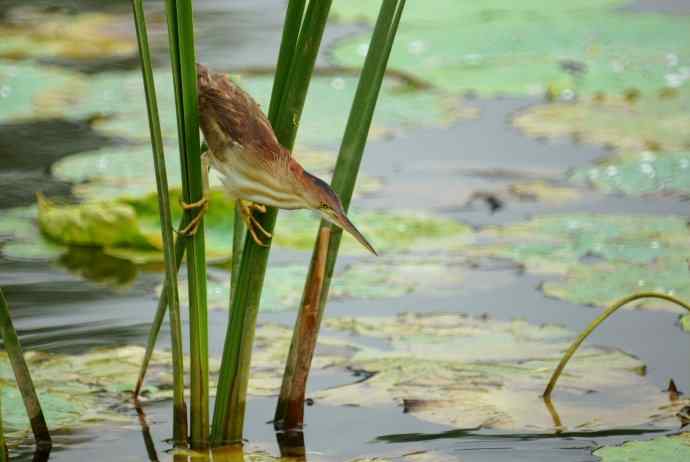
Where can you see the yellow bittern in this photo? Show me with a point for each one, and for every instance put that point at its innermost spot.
(253, 165)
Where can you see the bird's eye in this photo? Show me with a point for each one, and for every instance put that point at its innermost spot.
(323, 207)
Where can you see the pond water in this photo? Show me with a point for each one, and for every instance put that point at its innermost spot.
(468, 165)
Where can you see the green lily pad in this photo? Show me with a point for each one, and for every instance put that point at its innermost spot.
(120, 96)
(128, 228)
(77, 391)
(23, 89)
(391, 278)
(603, 257)
(128, 171)
(20, 238)
(667, 448)
(476, 372)
(555, 243)
(529, 48)
(651, 122)
(34, 33)
(639, 173)
(604, 283)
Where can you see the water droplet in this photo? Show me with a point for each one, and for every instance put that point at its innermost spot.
(684, 163)
(671, 59)
(5, 91)
(654, 244)
(567, 95)
(647, 169)
(362, 49)
(648, 156)
(416, 47)
(611, 170)
(641, 283)
(338, 83)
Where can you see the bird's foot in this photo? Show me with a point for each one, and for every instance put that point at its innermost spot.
(202, 206)
(252, 223)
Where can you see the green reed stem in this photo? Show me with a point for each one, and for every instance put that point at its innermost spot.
(290, 409)
(594, 324)
(171, 263)
(228, 417)
(23, 377)
(182, 57)
(239, 230)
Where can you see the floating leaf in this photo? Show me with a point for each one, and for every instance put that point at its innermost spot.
(639, 173)
(36, 33)
(391, 278)
(667, 448)
(129, 228)
(23, 85)
(604, 257)
(650, 123)
(528, 48)
(119, 96)
(476, 372)
(603, 283)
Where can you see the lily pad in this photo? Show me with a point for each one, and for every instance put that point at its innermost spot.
(77, 390)
(35, 33)
(652, 122)
(544, 192)
(530, 48)
(639, 173)
(120, 97)
(604, 283)
(667, 448)
(391, 278)
(128, 228)
(603, 257)
(471, 372)
(23, 87)
(128, 171)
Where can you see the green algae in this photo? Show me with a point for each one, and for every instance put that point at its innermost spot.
(471, 372)
(667, 448)
(652, 122)
(638, 173)
(499, 47)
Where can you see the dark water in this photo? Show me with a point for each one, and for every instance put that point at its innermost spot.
(70, 305)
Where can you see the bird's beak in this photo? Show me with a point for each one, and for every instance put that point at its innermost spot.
(341, 220)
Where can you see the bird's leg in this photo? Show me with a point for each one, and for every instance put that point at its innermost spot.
(201, 204)
(251, 222)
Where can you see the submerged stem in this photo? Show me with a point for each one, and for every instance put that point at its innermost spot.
(594, 324)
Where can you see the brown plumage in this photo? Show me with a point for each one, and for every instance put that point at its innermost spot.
(252, 163)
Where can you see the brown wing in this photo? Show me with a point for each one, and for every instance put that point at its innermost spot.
(229, 115)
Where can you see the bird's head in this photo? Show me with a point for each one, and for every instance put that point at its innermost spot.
(320, 197)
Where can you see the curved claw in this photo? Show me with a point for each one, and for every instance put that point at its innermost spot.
(193, 226)
(252, 223)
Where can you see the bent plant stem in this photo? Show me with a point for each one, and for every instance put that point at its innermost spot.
(287, 100)
(290, 408)
(594, 324)
(171, 263)
(23, 377)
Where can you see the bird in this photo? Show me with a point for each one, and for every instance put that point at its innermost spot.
(254, 167)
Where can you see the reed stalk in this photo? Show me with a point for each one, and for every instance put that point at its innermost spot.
(298, 51)
(290, 409)
(171, 262)
(182, 57)
(23, 377)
